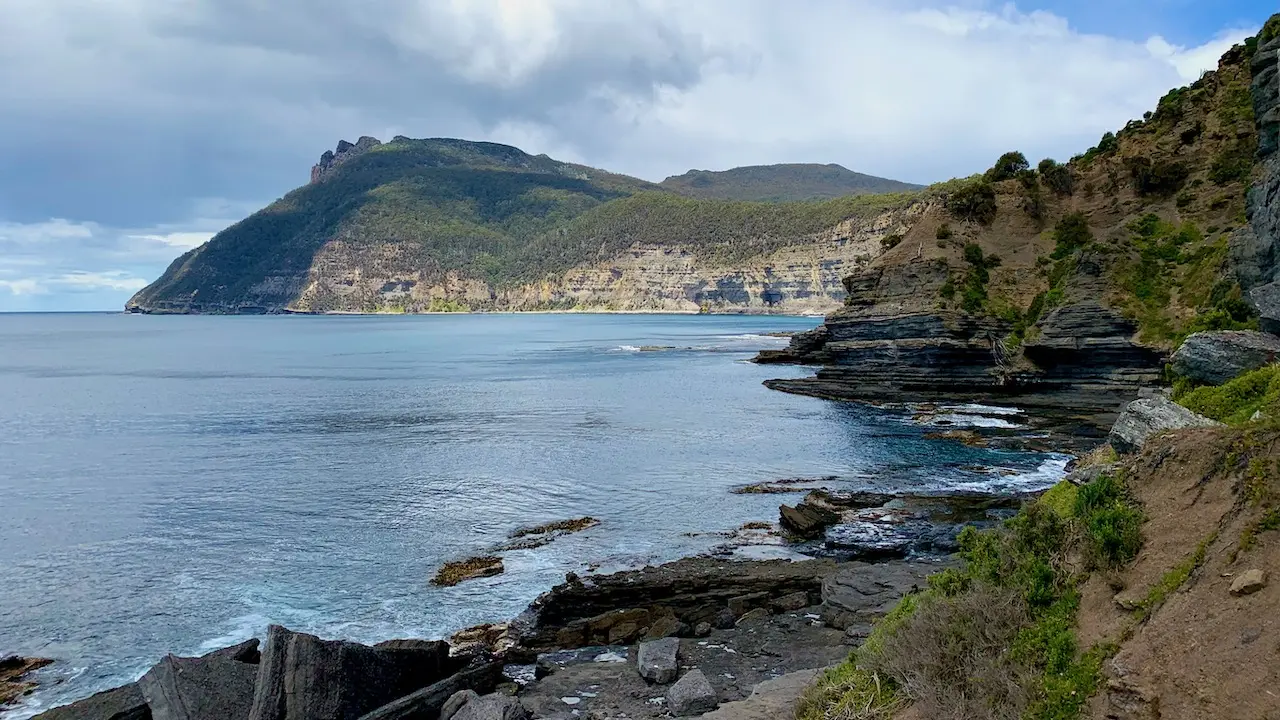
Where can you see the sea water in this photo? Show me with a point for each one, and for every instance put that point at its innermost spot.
(174, 484)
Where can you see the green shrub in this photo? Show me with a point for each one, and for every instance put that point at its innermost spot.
(944, 232)
(1236, 402)
(974, 201)
(1057, 177)
(1009, 166)
(1271, 30)
(889, 242)
(1161, 177)
(1070, 234)
(1233, 164)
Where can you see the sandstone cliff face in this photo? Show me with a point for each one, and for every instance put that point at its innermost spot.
(805, 278)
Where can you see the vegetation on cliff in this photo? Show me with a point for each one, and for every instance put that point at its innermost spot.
(1152, 206)
(997, 638)
(781, 183)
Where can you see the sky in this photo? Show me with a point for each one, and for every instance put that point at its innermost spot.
(133, 130)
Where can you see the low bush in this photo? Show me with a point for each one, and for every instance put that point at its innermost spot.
(889, 242)
(1236, 402)
(1160, 177)
(1009, 166)
(1057, 177)
(974, 201)
(1070, 234)
(944, 232)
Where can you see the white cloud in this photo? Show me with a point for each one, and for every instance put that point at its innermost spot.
(108, 280)
(24, 286)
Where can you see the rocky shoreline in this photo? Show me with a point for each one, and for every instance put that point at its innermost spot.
(603, 647)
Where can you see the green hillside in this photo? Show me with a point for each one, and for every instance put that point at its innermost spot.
(781, 183)
(473, 210)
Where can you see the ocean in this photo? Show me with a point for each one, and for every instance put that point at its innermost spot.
(174, 484)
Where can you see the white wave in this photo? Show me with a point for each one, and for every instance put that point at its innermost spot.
(981, 421)
(627, 348)
(1046, 475)
(978, 409)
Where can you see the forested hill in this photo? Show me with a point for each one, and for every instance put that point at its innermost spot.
(444, 224)
(782, 183)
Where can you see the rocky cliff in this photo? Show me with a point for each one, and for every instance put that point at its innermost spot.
(1065, 285)
(450, 225)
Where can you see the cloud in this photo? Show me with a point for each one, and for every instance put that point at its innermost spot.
(62, 264)
(126, 117)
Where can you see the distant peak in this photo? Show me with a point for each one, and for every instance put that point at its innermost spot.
(344, 152)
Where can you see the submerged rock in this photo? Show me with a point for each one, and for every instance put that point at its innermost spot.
(13, 670)
(452, 573)
(1216, 357)
(1146, 417)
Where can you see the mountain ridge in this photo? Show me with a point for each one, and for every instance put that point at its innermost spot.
(448, 224)
(782, 182)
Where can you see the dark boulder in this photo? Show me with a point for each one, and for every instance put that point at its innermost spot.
(1267, 300)
(426, 703)
(806, 520)
(1217, 357)
(204, 688)
(302, 677)
(492, 707)
(122, 703)
(245, 652)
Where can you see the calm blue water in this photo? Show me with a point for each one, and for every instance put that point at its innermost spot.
(174, 484)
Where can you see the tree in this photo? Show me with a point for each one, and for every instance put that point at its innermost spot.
(1008, 167)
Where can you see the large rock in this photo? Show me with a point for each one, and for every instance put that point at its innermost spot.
(122, 703)
(1219, 356)
(1267, 301)
(492, 707)
(302, 677)
(770, 700)
(1143, 418)
(205, 688)
(862, 592)
(656, 660)
(692, 695)
(426, 704)
(696, 590)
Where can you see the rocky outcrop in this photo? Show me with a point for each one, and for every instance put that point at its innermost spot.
(1083, 358)
(302, 677)
(859, 593)
(617, 608)
(122, 703)
(13, 672)
(344, 152)
(1147, 417)
(1216, 357)
(209, 688)
(1255, 248)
